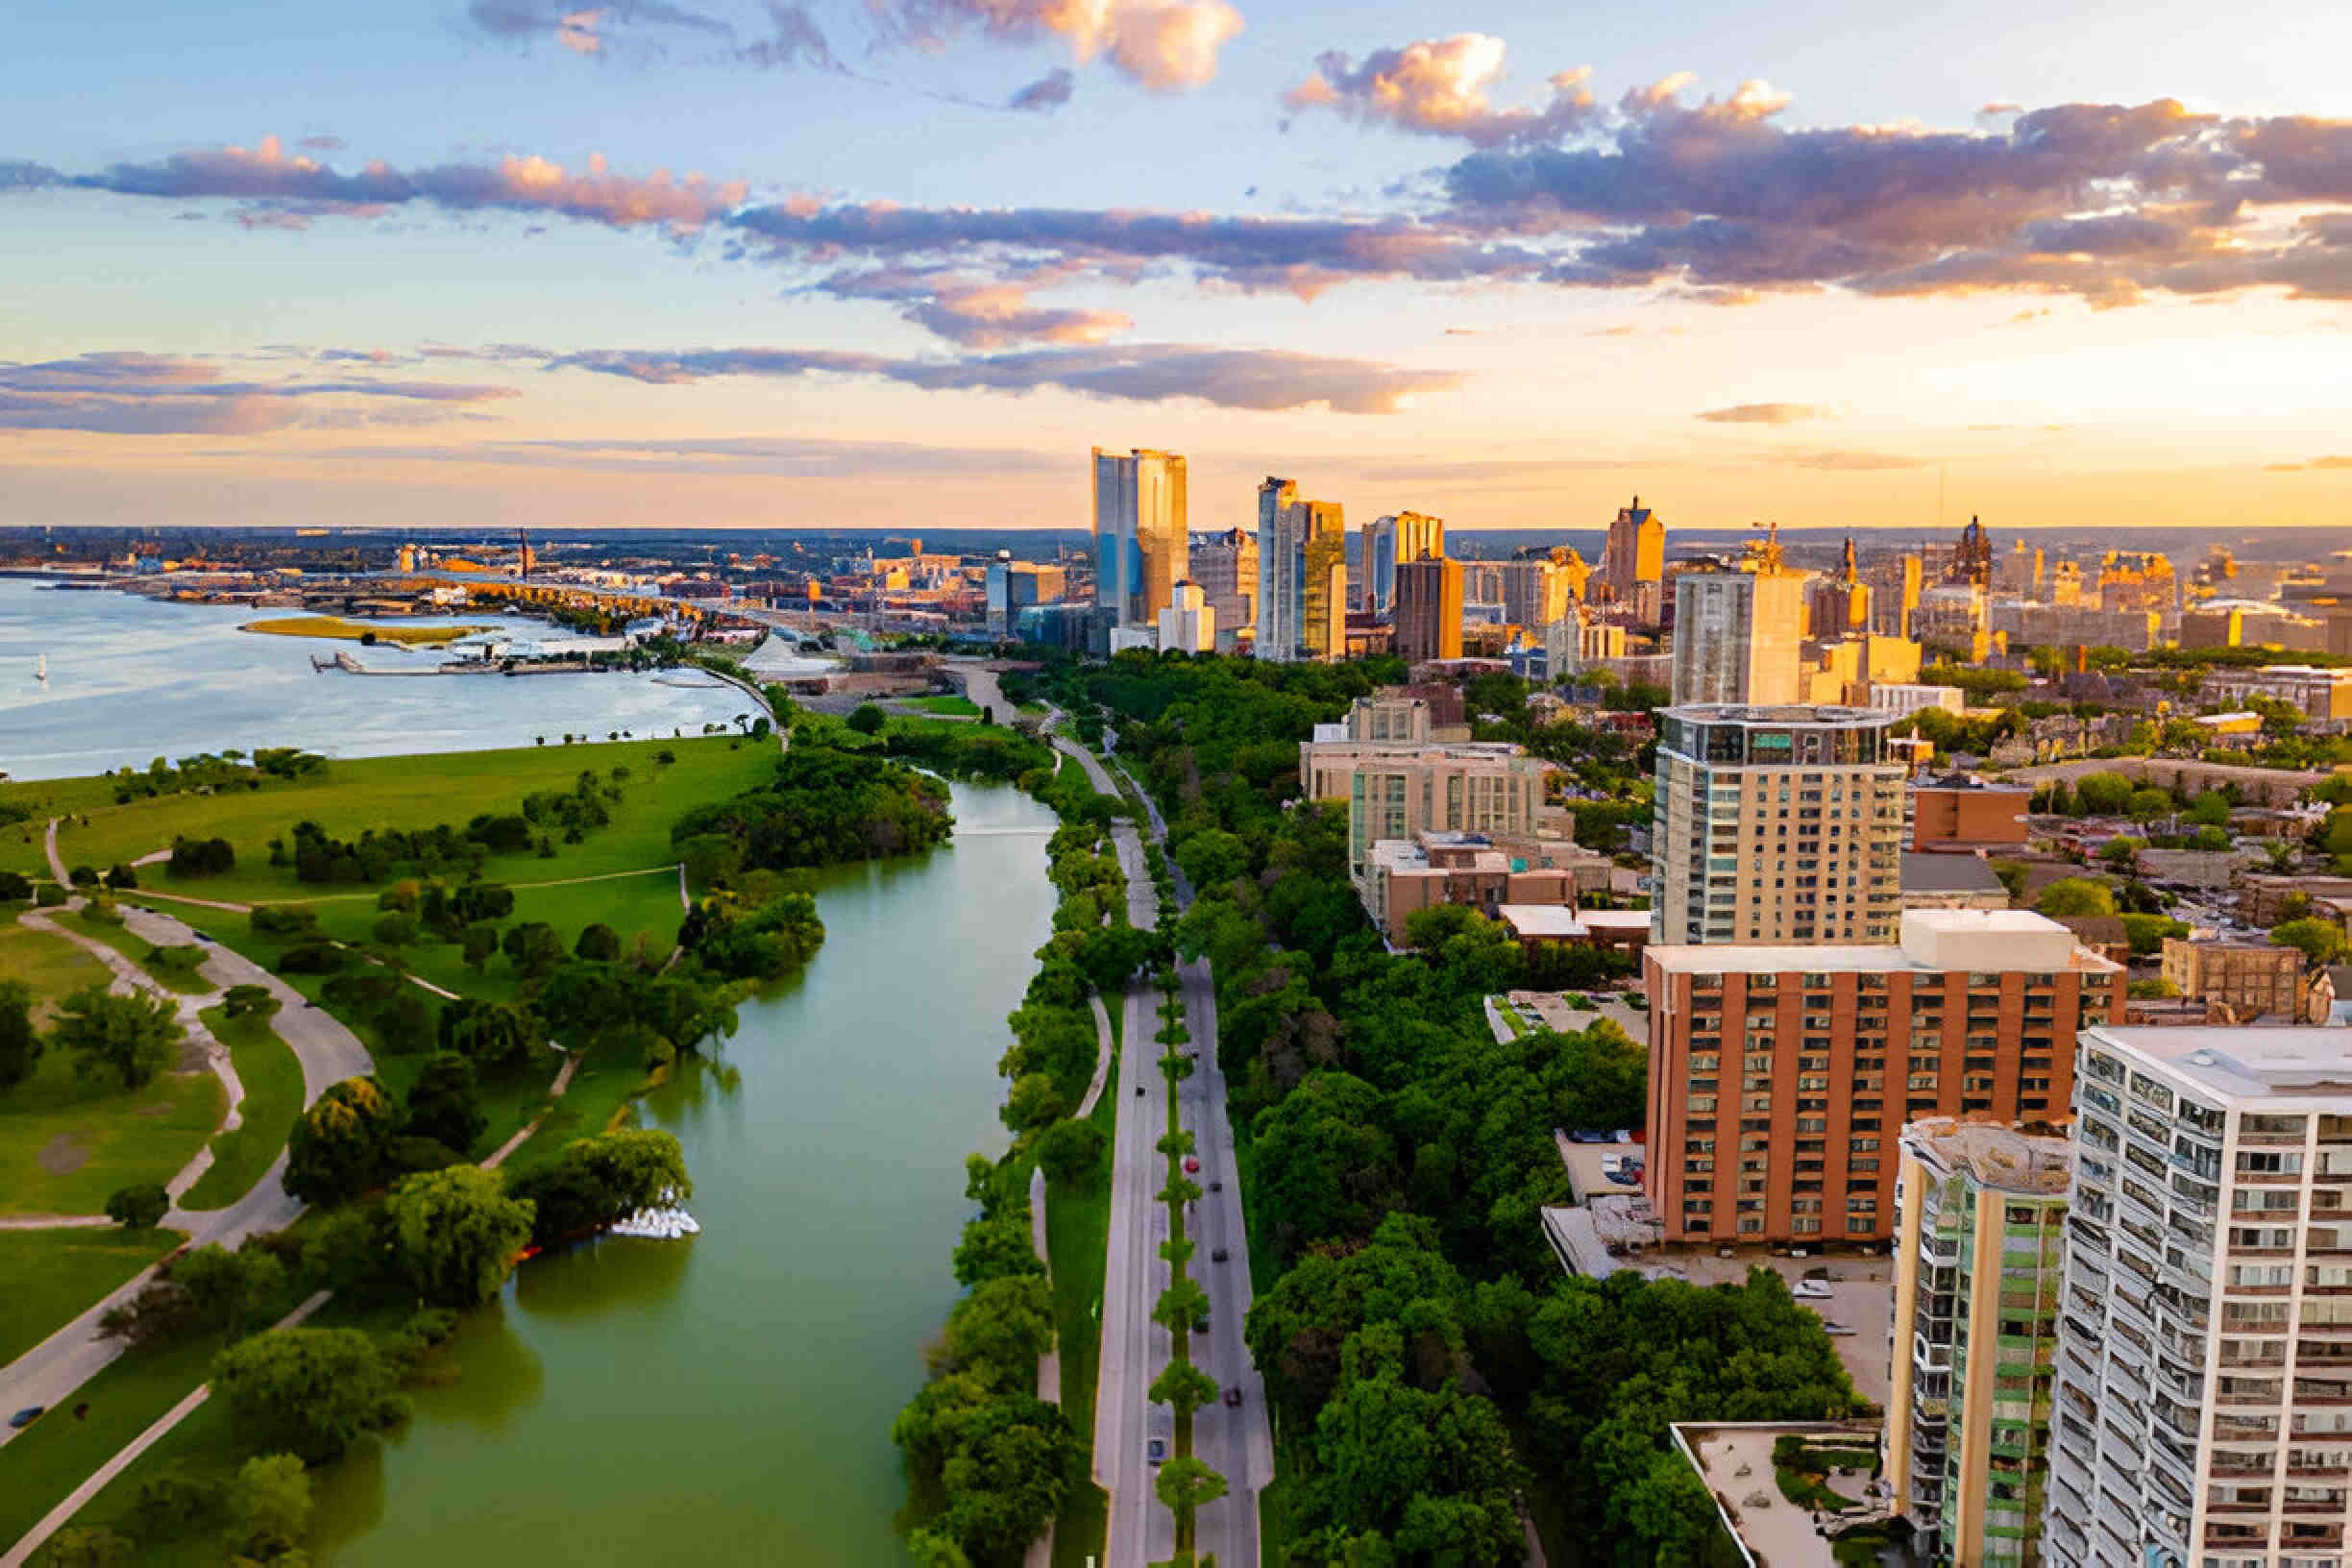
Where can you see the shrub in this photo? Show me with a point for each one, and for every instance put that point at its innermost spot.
(311, 957)
(139, 1207)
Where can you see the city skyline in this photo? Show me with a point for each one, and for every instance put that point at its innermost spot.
(429, 264)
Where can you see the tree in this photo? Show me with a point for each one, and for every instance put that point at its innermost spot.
(2146, 933)
(309, 1391)
(1183, 1486)
(2075, 895)
(532, 947)
(597, 942)
(1069, 1150)
(395, 928)
(456, 1234)
(2104, 794)
(120, 877)
(2146, 805)
(2123, 852)
(600, 1179)
(14, 887)
(139, 1207)
(1032, 1102)
(1183, 1387)
(227, 1288)
(20, 1045)
(868, 719)
(131, 1038)
(493, 1036)
(2211, 809)
(445, 1104)
(1001, 1328)
(481, 940)
(339, 1145)
(2322, 942)
(269, 1507)
(250, 1001)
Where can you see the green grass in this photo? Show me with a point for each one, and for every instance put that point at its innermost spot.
(1077, 1248)
(133, 947)
(961, 707)
(48, 963)
(49, 1278)
(354, 795)
(273, 1079)
(606, 1083)
(119, 1136)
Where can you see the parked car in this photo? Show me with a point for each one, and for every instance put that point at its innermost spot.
(1811, 1291)
(1830, 1327)
(1156, 1449)
(1232, 1397)
(1622, 1168)
(1216, 1187)
(1217, 1256)
(1138, 1091)
(26, 1417)
(200, 935)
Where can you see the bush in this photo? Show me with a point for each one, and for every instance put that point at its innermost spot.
(139, 1208)
(312, 958)
(14, 887)
(282, 920)
(50, 896)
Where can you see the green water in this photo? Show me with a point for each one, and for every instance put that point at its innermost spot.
(729, 1398)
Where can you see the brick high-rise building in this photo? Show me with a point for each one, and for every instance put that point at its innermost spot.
(1428, 610)
(1779, 1076)
(1775, 825)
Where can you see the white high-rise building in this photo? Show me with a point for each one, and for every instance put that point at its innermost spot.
(1139, 535)
(1282, 569)
(1188, 623)
(2203, 1410)
(1739, 636)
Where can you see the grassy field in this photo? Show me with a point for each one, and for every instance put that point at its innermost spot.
(954, 707)
(48, 963)
(65, 1144)
(352, 796)
(53, 1276)
(273, 1079)
(185, 983)
(352, 631)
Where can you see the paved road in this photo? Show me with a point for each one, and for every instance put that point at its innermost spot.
(1135, 1348)
(329, 1053)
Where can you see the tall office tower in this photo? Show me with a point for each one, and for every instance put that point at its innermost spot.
(1378, 564)
(1534, 591)
(2204, 1391)
(1913, 569)
(1738, 636)
(1140, 537)
(1979, 1247)
(1839, 605)
(1225, 565)
(1429, 610)
(1775, 825)
(1634, 563)
(1780, 1076)
(1281, 571)
(1323, 601)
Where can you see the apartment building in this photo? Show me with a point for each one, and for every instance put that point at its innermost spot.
(1186, 623)
(1961, 814)
(1979, 1253)
(1397, 790)
(2324, 696)
(1476, 871)
(1779, 1076)
(2203, 1410)
(2251, 979)
(1739, 635)
(1429, 610)
(1225, 566)
(1776, 825)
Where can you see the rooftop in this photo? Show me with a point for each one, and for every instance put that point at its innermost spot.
(1946, 874)
(2243, 1064)
(1995, 1154)
(1791, 713)
(1733, 1460)
(1934, 942)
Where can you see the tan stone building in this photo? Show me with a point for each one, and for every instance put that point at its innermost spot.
(1776, 825)
(2251, 979)
(1780, 1077)
(1398, 789)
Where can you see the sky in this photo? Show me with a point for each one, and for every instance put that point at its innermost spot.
(899, 263)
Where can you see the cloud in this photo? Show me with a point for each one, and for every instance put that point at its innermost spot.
(1846, 463)
(778, 456)
(1044, 96)
(1768, 413)
(1164, 45)
(1438, 86)
(586, 29)
(322, 144)
(2315, 463)
(129, 393)
(1259, 379)
(794, 40)
(978, 312)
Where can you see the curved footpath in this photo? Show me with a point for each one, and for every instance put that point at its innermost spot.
(51, 1371)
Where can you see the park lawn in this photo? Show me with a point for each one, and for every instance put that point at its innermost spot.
(960, 708)
(336, 626)
(45, 961)
(58, 1453)
(356, 795)
(111, 1138)
(49, 1278)
(273, 1079)
(134, 948)
(605, 1088)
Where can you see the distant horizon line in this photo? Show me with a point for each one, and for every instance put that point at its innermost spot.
(893, 531)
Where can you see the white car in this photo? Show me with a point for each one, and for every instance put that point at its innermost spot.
(1811, 1291)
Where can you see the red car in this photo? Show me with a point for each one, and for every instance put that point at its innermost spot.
(1191, 1166)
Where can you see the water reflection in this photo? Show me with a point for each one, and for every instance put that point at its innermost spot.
(599, 1276)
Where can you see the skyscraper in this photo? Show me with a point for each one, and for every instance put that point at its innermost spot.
(1429, 610)
(1775, 825)
(1738, 635)
(1302, 574)
(1323, 601)
(1839, 605)
(1140, 537)
(2203, 1410)
(1225, 565)
(1535, 590)
(1634, 563)
(1388, 542)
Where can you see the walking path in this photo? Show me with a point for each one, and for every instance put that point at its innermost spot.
(555, 1091)
(57, 1518)
(1102, 1056)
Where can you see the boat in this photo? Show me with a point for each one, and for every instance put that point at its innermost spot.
(40, 669)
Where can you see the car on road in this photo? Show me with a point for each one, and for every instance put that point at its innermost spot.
(1217, 1256)
(1216, 1187)
(1232, 1397)
(1831, 1327)
(1138, 1091)
(1191, 1166)
(1811, 1291)
(26, 1417)
(1156, 1449)
(200, 935)
(1592, 1135)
